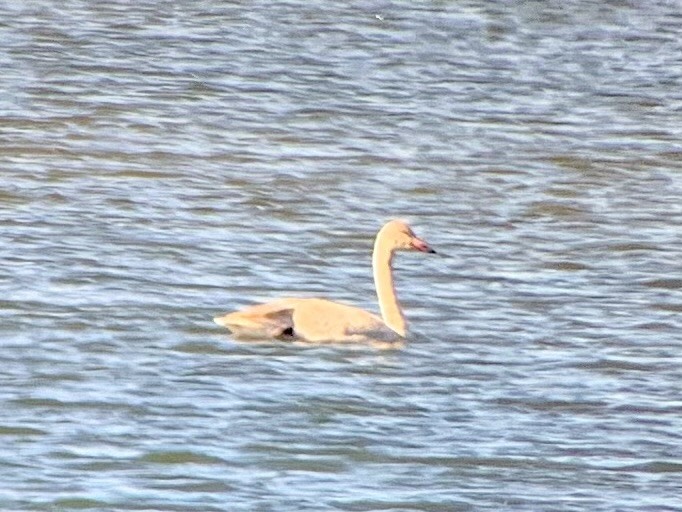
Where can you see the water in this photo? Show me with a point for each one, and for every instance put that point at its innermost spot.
(162, 163)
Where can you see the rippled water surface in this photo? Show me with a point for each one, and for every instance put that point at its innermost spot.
(164, 162)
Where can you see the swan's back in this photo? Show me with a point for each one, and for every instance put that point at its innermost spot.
(312, 320)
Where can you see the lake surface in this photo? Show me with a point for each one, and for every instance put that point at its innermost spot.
(165, 162)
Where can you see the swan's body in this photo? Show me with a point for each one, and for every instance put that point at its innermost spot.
(317, 320)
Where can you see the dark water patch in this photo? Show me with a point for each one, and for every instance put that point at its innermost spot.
(100, 347)
(633, 247)
(79, 503)
(665, 284)
(350, 452)
(555, 210)
(55, 405)
(147, 175)
(668, 307)
(21, 431)
(567, 266)
(655, 326)
(75, 326)
(38, 402)
(416, 504)
(535, 305)
(99, 466)
(202, 347)
(655, 411)
(655, 467)
(553, 405)
(671, 155)
(37, 152)
(564, 193)
(617, 365)
(8, 198)
(309, 465)
(192, 486)
(572, 162)
(423, 191)
(180, 457)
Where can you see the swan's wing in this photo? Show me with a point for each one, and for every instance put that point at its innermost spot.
(272, 320)
(323, 320)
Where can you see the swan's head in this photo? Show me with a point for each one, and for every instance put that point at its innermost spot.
(400, 237)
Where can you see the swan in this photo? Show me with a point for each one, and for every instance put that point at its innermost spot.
(319, 320)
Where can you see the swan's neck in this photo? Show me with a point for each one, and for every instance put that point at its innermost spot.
(383, 280)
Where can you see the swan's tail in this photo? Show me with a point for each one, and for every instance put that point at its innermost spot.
(246, 324)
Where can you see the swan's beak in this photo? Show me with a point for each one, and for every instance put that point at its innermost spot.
(420, 245)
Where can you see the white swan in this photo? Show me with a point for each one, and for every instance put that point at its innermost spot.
(317, 320)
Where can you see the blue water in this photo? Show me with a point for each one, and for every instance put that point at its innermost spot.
(163, 163)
